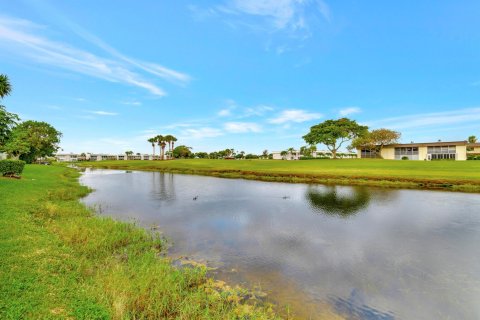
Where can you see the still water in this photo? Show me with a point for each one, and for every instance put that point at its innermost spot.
(359, 253)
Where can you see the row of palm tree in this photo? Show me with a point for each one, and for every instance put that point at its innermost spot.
(162, 142)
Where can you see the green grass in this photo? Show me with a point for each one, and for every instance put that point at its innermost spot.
(59, 261)
(446, 175)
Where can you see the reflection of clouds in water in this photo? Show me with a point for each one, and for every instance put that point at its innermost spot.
(411, 252)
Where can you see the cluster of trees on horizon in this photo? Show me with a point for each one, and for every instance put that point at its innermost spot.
(162, 142)
(27, 140)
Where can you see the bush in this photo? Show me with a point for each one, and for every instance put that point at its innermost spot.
(405, 158)
(11, 167)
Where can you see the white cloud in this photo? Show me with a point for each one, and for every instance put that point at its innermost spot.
(103, 113)
(201, 133)
(350, 110)
(242, 127)
(225, 112)
(132, 103)
(295, 115)
(282, 14)
(21, 37)
(420, 120)
(259, 111)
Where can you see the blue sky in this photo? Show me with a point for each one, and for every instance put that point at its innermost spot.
(249, 75)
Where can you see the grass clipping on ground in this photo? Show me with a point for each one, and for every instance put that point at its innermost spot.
(58, 260)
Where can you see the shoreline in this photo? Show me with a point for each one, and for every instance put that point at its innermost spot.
(460, 185)
(60, 259)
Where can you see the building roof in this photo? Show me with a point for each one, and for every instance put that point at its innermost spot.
(474, 144)
(429, 144)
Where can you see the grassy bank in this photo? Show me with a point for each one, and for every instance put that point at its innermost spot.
(447, 175)
(58, 261)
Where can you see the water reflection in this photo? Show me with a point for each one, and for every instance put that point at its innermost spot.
(401, 254)
(355, 308)
(163, 186)
(330, 200)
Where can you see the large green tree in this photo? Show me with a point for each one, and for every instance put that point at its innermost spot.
(375, 140)
(17, 144)
(472, 139)
(334, 133)
(7, 120)
(182, 152)
(31, 140)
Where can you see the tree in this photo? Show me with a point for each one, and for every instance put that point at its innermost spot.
(41, 138)
(472, 139)
(17, 144)
(129, 153)
(182, 152)
(161, 145)
(375, 140)
(284, 154)
(265, 154)
(152, 141)
(201, 155)
(173, 140)
(5, 87)
(7, 122)
(334, 133)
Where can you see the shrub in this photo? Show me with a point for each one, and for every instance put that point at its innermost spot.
(405, 158)
(11, 167)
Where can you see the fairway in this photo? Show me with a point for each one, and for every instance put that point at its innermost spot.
(449, 175)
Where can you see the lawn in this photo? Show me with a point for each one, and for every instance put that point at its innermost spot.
(60, 261)
(448, 175)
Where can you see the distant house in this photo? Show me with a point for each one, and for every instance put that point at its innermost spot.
(473, 149)
(291, 155)
(449, 150)
(295, 155)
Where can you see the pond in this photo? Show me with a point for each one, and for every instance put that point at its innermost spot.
(352, 252)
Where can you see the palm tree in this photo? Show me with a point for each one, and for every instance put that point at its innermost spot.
(173, 143)
(163, 144)
(159, 139)
(169, 139)
(152, 141)
(283, 154)
(5, 87)
(472, 139)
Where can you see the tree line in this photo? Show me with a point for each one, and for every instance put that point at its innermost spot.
(24, 140)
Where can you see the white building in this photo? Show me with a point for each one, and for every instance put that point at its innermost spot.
(73, 157)
(295, 155)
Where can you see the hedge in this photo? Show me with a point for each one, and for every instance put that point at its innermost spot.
(11, 167)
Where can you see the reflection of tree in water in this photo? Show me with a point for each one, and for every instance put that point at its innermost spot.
(163, 186)
(328, 201)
